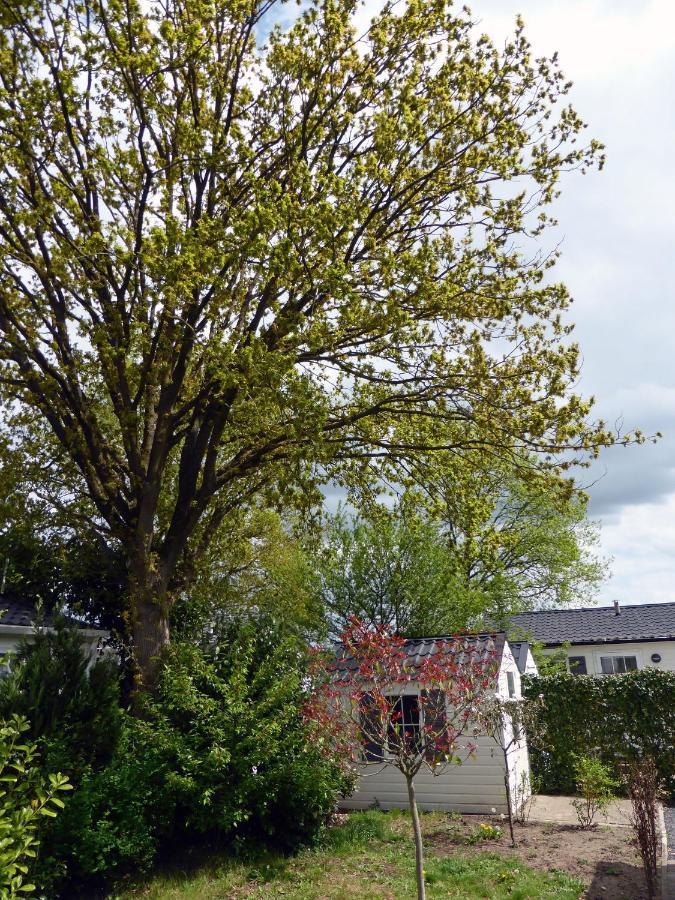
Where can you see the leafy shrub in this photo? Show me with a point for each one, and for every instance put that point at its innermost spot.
(228, 727)
(620, 719)
(26, 795)
(115, 822)
(596, 787)
(219, 755)
(527, 788)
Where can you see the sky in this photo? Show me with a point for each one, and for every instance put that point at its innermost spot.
(617, 233)
(618, 260)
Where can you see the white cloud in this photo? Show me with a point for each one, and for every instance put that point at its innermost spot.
(596, 39)
(641, 541)
(618, 232)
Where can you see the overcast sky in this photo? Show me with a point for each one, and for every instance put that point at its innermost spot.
(618, 259)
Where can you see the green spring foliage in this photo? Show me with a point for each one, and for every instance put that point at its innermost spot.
(219, 756)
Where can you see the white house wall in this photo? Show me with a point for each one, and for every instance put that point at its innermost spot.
(643, 650)
(518, 758)
(11, 637)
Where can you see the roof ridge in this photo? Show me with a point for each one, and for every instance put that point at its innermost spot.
(577, 609)
(456, 634)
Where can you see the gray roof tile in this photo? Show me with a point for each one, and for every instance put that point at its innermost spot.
(600, 624)
(14, 611)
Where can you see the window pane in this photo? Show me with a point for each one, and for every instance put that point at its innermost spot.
(620, 664)
(510, 680)
(606, 664)
(577, 665)
(631, 663)
(411, 710)
(404, 727)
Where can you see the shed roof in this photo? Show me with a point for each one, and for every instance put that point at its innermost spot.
(419, 649)
(600, 624)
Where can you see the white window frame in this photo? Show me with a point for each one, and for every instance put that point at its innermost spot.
(614, 654)
(408, 691)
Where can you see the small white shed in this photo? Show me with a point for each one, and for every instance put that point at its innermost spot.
(476, 786)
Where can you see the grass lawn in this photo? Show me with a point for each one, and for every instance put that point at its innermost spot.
(369, 856)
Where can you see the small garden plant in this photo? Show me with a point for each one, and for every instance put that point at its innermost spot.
(644, 789)
(25, 796)
(596, 788)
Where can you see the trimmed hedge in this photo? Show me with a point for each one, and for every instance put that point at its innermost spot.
(617, 718)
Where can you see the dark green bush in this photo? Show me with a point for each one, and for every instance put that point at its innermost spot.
(619, 719)
(219, 754)
(73, 708)
(229, 727)
(116, 821)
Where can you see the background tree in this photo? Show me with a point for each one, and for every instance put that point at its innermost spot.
(226, 269)
(358, 712)
(395, 571)
(495, 548)
(53, 550)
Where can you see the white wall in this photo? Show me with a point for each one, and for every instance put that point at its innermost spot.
(643, 650)
(477, 786)
(518, 758)
(12, 635)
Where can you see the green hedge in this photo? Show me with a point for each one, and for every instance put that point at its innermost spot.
(617, 718)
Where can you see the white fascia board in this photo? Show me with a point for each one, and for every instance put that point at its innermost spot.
(20, 630)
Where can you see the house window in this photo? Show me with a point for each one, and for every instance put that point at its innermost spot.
(511, 682)
(403, 728)
(617, 665)
(577, 665)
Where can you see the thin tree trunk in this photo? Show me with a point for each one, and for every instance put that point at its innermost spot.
(507, 788)
(417, 832)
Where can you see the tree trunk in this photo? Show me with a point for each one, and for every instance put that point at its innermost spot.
(417, 832)
(507, 789)
(149, 608)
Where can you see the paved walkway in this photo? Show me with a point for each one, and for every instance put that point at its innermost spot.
(547, 808)
(669, 876)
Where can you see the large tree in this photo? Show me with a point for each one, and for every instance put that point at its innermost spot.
(225, 267)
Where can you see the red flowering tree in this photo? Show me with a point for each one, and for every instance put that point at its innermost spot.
(375, 704)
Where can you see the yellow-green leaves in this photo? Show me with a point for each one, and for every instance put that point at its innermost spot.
(223, 263)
